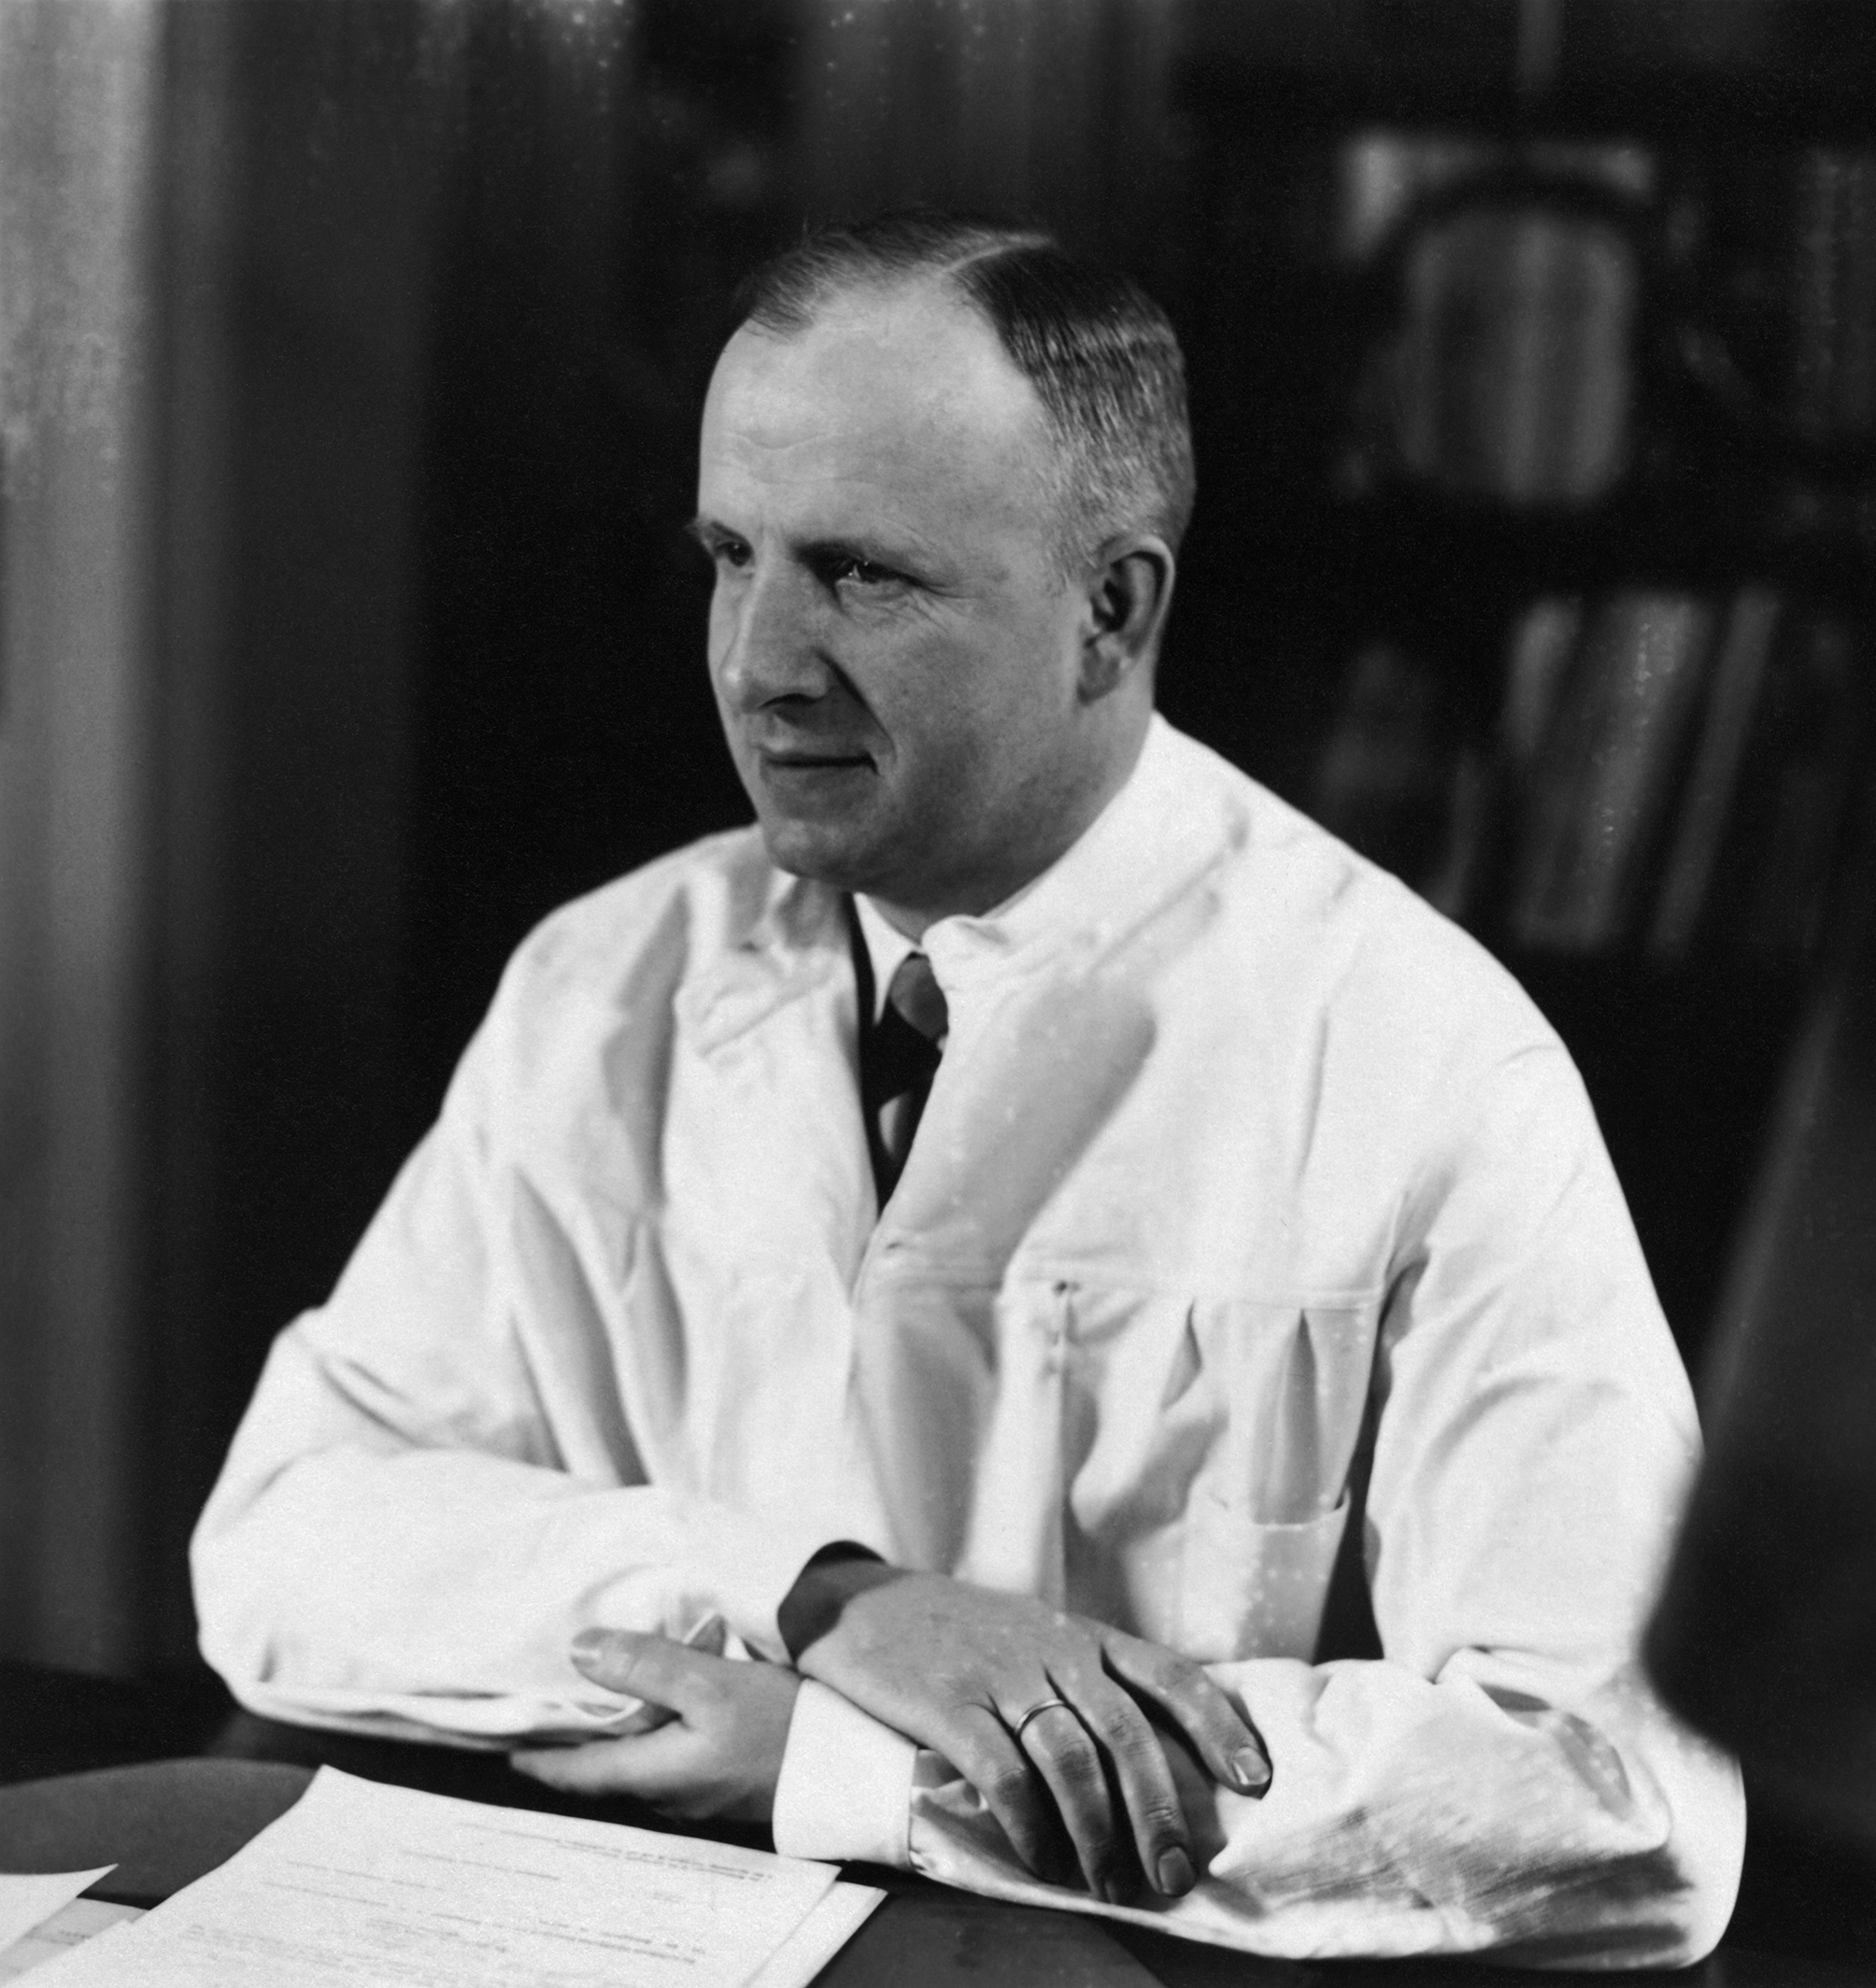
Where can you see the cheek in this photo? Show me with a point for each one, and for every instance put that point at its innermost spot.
(946, 720)
(1003, 706)
(718, 647)
(968, 713)
(721, 632)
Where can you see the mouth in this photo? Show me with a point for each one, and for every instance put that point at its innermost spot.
(806, 763)
(802, 785)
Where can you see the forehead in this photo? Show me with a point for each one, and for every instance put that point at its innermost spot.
(902, 400)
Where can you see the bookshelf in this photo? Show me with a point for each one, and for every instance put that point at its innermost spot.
(1554, 500)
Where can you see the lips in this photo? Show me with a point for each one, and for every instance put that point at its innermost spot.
(798, 784)
(793, 759)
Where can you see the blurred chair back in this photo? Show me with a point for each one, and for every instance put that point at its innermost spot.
(1766, 1634)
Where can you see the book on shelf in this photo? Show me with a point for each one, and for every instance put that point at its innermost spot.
(1394, 782)
(1756, 847)
(1719, 762)
(1832, 287)
(1600, 701)
(1543, 641)
(1682, 766)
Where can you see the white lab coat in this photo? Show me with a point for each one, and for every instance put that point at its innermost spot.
(1245, 1178)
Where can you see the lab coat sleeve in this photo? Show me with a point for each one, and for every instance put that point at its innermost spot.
(416, 1516)
(1501, 1779)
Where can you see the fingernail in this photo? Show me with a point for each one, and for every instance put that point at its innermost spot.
(590, 1645)
(1175, 1872)
(1253, 1771)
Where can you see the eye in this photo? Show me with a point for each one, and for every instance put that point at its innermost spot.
(730, 552)
(848, 569)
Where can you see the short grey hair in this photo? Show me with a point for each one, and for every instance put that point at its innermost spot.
(1101, 356)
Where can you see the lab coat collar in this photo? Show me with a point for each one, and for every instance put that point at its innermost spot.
(1143, 848)
(794, 944)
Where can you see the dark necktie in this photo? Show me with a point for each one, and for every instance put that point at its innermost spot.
(899, 1056)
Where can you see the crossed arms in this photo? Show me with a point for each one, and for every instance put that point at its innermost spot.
(1046, 1714)
(429, 1502)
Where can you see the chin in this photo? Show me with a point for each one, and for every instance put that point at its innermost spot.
(810, 850)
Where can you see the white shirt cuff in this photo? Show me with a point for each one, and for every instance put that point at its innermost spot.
(845, 1792)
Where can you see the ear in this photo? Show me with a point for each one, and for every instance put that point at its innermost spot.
(1129, 595)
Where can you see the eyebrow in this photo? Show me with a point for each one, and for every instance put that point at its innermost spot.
(869, 550)
(705, 531)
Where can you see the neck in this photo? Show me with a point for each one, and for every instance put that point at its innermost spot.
(982, 895)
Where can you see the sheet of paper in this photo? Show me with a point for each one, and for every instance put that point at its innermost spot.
(818, 1938)
(29, 1901)
(83, 1918)
(361, 1882)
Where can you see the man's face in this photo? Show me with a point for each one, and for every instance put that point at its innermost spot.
(894, 655)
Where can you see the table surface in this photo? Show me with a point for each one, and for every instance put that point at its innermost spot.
(164, 1823)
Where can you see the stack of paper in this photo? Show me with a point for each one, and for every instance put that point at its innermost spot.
(38, 1914)
(361, 1882)
(71, 1926)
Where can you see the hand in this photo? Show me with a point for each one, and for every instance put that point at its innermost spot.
(962, 1669)
(718, 1756)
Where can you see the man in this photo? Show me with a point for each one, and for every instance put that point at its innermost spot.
(1255, 1243)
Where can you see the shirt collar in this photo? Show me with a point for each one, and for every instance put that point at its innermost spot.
(886, 947)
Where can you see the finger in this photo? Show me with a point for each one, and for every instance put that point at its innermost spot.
(648, 1667)
(979, 1746)
(1136, 1761)
(648, 1767)
(595, 1766)
(1230, 1745)
(1065, 1756)
(644, 1718)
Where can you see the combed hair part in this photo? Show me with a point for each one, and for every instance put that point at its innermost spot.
(1102, 356)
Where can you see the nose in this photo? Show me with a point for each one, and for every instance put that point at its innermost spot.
(766, 630)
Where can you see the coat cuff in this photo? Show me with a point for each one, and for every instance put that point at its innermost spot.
(845, 1793)
(746, 1569)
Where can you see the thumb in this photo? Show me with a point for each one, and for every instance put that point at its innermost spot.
(652, 1668)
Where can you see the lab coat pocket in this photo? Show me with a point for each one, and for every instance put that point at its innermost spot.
(1251, 1588)
(1269, 1506)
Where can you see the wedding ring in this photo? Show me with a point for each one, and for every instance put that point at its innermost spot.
(1036, 1711)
